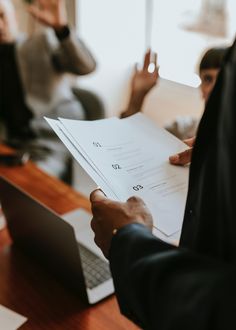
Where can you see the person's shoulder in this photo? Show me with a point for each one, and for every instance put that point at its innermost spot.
(36, 37)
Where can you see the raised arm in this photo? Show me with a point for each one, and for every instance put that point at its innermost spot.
(71, 55)
(142, 82)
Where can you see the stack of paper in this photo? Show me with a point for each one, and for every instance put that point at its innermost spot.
(127, 157)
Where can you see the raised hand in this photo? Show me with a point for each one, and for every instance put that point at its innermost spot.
(51, 13)
(142, 82)
(145, 79)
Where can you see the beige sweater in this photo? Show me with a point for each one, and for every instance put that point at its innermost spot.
(43, 61)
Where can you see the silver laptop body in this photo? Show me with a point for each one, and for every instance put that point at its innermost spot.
(45, 236)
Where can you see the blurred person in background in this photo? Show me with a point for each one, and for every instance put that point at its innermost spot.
(183, 127)
(33, 83)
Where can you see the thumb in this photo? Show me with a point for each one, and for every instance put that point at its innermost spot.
(97, 196)
(190, 142)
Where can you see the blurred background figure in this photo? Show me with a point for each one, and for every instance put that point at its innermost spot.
(209, 68)
(185, 127)
(33, 83)
(143, 80)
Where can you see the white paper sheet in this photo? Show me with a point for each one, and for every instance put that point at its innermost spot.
(58, 129)
(10, 320)
(130, 157)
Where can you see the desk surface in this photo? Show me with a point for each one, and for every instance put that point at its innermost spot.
(31, 291)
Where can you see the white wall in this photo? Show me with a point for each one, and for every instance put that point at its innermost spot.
(115, 32)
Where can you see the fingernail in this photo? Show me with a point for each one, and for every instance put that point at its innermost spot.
(174, 158)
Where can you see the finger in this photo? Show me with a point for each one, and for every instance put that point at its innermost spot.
(97, 196)
(146, 61)
(154, 58)
(36, 12)
(97, 241)
(182, 158)
(42, 3)
(135, 199)
(156, 73)
(190, 142)
(93, 224)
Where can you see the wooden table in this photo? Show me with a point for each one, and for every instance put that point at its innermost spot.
(30, 290)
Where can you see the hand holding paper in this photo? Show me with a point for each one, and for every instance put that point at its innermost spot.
(109, 216)
(130, 157)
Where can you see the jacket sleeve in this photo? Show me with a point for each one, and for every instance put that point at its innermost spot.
(73, 56)
(159, 286)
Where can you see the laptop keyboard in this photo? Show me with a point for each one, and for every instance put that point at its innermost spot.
(96, 271)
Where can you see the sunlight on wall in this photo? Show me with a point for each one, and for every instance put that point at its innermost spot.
(179, 48)
(116, 32)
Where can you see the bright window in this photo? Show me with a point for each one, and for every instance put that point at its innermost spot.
(115, 31)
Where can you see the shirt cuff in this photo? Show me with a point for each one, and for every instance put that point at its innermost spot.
(63, 33)
(126, 230)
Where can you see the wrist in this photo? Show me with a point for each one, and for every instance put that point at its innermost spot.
(136, 99)
(134, 105)
(136, 221)
(62, 32)
(128, 226)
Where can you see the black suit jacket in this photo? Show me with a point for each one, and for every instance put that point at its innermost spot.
(194, 286)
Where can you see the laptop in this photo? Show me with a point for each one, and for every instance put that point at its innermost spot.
(49, 239)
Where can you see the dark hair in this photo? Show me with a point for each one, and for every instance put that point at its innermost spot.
(213, 58)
